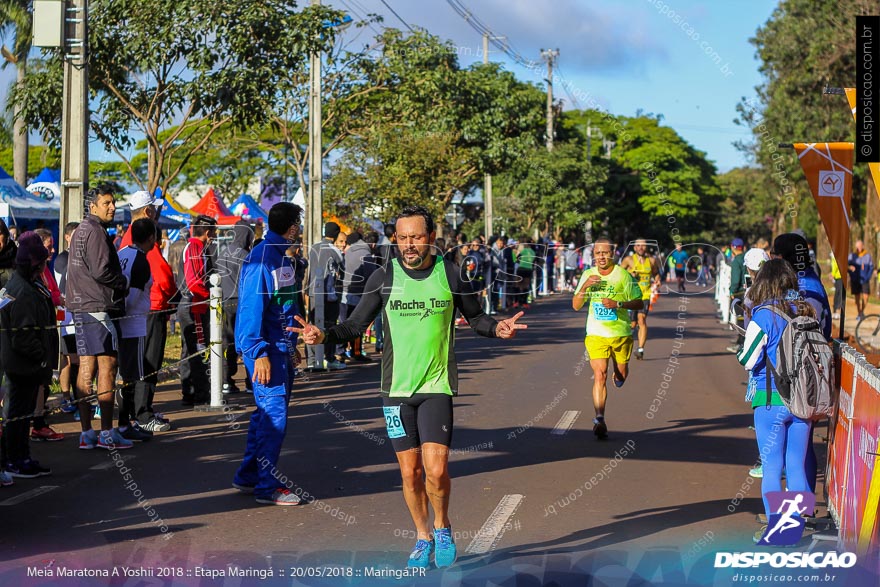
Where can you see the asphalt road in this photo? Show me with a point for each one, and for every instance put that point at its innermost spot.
(536, 500)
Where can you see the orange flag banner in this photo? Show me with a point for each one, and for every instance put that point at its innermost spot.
(828, 169)
(874, 167)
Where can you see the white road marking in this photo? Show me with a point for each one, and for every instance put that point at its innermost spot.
(28, 494)
(495, 525)
(565, 422)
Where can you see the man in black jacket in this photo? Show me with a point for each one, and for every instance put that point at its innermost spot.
(229, 268)
(96, 290)
(29, 344)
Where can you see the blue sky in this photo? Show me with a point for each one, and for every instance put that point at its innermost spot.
(658, 56)
(654, 55)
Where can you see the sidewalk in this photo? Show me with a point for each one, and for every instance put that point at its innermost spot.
(851, 318)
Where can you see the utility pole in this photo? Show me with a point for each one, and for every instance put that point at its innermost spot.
(75, 115)
(314, 204)
(316, 155)
(487, 180)
(549, 55)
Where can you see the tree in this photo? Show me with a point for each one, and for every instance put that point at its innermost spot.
(432, 129)
(194, 65)
(225, 162)
(15, 18)
(804, 46)
(555, 192)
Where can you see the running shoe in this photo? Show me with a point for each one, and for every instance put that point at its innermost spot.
(759, 535)
(137, 426)
(640, 354)
(617, 382)
(243, 488)
(88, 440)
(420, 557)
(335, 365)
(134, 434)
(46, 434)
(757, 472)
(281, 496)
(156, 425)
(5, 479)
(445, 551)
(97, 413)
(113, 440)
(600, 429)
(68, 407)
(28, 469)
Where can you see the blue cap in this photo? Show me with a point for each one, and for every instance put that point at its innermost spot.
(737, 242)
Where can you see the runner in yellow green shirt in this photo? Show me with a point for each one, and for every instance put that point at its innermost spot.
(645, 269)
(609, 292)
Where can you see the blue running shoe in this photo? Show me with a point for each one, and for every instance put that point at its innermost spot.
(420, 557)
(445, 552)
(97, 413)
(68, 407)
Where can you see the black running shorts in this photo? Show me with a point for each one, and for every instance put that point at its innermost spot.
(413, 421)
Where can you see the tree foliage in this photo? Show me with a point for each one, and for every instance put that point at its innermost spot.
(195, 65)
(431, 129)
(805, 46)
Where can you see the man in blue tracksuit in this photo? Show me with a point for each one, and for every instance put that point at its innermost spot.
(266, 307)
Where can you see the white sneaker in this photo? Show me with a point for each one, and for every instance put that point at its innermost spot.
(334, 365)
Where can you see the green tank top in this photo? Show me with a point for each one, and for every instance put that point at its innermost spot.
(619, 286)
(419, 315)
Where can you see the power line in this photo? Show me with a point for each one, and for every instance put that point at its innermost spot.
(360, 17)
(506, 47)
(398, 16)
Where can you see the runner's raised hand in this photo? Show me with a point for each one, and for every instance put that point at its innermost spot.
(507, 328)
(310, 333)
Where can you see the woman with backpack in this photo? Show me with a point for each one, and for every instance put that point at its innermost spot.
(782, 437)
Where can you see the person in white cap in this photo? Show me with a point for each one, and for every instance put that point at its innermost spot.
(753, 260)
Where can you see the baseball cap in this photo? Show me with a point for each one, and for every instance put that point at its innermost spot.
(570, 246)
(737, 242)
(754, 258)
(141, 199)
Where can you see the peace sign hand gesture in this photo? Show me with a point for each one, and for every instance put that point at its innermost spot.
(309, 333)
(507, 328)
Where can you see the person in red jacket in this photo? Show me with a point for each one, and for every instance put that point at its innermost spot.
(192, 313)
(162, 293)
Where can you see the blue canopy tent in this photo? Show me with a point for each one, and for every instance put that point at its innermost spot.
(21, 205)
(246, 207)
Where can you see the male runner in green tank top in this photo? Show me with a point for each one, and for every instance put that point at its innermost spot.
(608, 291)
(418, 293)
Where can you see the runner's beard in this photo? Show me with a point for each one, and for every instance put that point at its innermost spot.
(419, 259)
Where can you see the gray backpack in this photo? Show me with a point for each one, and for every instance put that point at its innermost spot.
(804, 372)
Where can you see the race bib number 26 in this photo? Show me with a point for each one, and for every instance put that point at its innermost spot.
(393, 422)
